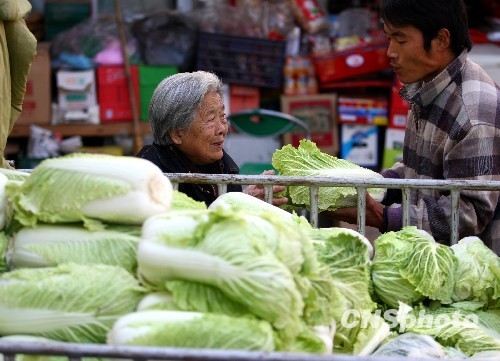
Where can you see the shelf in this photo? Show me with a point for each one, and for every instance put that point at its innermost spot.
(357, 84)
(88, 130)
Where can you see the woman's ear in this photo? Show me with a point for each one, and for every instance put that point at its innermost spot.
(176, 136)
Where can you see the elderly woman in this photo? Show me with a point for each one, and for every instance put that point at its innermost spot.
(189, 126)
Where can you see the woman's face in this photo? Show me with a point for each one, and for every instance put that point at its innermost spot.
(202, 142)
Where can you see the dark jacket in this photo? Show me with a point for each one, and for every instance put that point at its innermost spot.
(170, 160)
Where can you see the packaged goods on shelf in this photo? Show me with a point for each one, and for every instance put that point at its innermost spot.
(363, 110)
(393, 150)
(399, 107)
(359, 144)
(319, 112)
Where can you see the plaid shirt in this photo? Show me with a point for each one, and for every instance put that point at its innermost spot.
(453, 132)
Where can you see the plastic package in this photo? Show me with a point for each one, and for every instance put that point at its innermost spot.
(82, 46)
(42, 143)
(250, 18)
(309, 15)
(412, 345)
(167, 37)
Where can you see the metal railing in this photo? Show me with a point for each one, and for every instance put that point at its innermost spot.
(361, 186)
(75, 352)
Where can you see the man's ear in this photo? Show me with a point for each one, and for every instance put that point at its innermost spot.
(443, 38)
(176, 136)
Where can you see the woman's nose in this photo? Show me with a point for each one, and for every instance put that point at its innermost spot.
(223, 125)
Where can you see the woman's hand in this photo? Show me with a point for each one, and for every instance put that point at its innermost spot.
(257, 191)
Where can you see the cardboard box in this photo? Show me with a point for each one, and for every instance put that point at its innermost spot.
(319, 112)
(37, 98)
(371, 111)
(399, 107)
(113, 93)
(76, 89)
(149, 78)
(393, 151)
(360, 144)
(77, 99)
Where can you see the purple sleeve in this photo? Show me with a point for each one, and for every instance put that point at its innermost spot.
(393, 218)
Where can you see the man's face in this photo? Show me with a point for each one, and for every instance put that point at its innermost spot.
(202, 142)
(408, 58)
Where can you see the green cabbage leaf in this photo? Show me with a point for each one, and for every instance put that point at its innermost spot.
(72, 303)
(308, 160)
(410, 266)
(478, 273)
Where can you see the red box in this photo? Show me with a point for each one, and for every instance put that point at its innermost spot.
(243, 97)
(337, 65)
(113, 93)
(399, 107)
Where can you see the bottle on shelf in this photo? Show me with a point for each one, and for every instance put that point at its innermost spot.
(289, 70)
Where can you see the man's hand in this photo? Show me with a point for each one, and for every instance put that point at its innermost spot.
(374, 214)
(258, 191)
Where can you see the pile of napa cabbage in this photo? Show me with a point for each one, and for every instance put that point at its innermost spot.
(101, 249)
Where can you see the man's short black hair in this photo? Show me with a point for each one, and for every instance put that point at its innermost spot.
(429, 16)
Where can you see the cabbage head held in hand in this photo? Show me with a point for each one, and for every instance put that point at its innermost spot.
(308, 160)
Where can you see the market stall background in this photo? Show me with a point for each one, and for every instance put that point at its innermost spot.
(271, 54)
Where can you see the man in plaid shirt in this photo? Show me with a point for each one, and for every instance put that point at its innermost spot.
(453, 127)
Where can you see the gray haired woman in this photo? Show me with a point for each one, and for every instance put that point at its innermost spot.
(189, 126)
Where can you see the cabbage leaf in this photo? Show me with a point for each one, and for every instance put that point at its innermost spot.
(308, 160)
(191, 330)
(72, 303)
(478, 276)
(410, 266)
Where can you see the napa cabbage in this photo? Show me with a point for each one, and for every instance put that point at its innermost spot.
(347, 255)
(478, 273)
(308, 160)
(227, 250)
(72, 303)
(14, 175)
(181, 201)
(410, 266)
(54, 244)
(191, 330)
(92, 188)
(4, 243)
(468, 332)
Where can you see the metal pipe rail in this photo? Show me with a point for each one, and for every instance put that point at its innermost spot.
(75, 352)
(360, 184)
